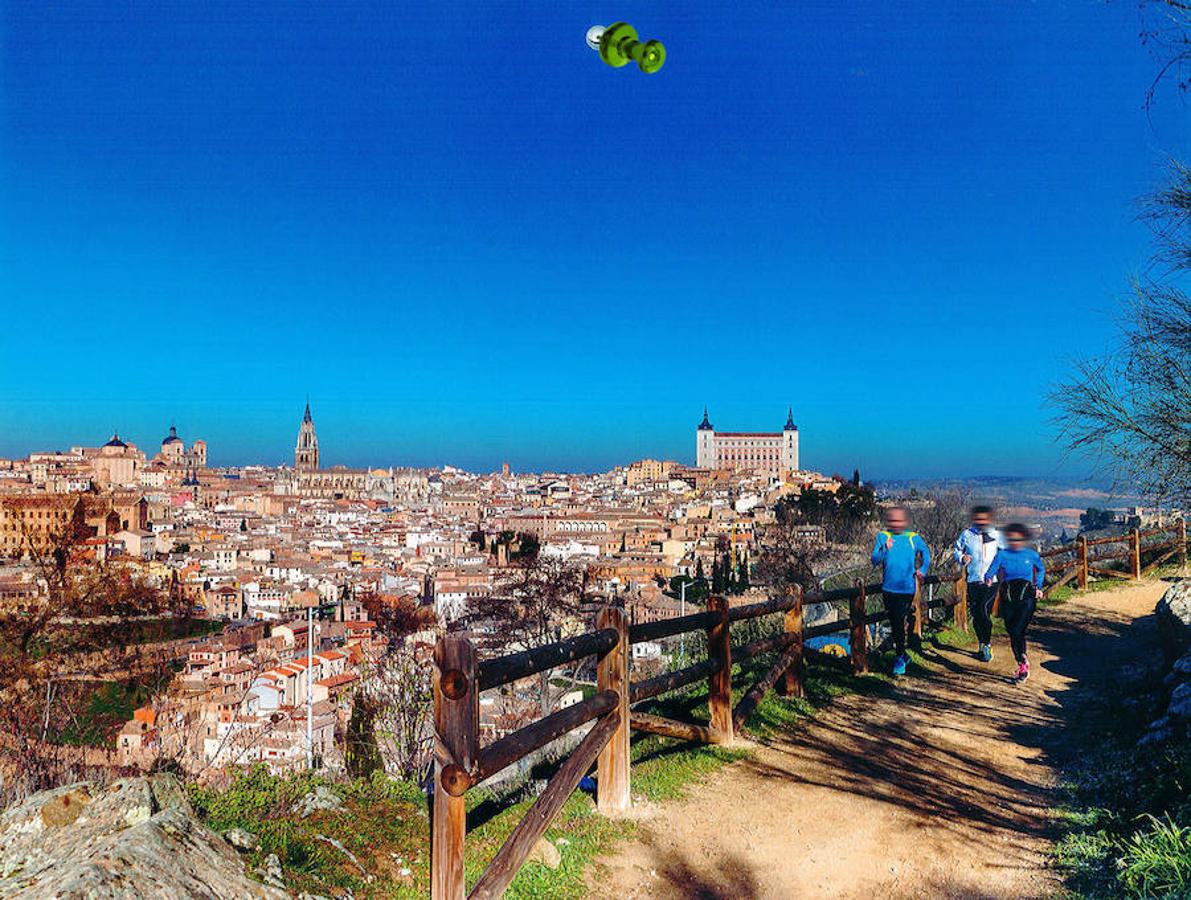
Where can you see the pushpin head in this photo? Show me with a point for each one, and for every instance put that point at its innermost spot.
(650, 56)
(618, 45)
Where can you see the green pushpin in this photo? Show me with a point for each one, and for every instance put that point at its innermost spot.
(618, 43)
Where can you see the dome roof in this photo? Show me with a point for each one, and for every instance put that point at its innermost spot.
(172, 437)
(115, 441)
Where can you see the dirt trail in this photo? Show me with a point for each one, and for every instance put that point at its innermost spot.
(940, 786)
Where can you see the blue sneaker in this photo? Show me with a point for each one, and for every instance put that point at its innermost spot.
(899, 664)
(985, 653)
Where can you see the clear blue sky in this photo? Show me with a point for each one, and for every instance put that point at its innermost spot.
(470, 241)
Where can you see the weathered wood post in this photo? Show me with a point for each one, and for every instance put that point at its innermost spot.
(1081, 562)
(1135, 554)
(859, 630)
(719, 684)
(612, 674)
(456, 743)
(793, 680)
(959, 613)
(919, 609)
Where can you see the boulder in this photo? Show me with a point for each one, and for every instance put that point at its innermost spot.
(545, 853)
(321, 799)
(135, 838)
(1174, 619)
(1180, 702)
(242, 839)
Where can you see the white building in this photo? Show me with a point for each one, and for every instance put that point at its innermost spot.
(770, 453)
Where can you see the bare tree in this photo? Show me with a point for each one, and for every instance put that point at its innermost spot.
(538, 601)
(940, 521)
(79, 623)
(814, 533)
(1165, 30)
(1130, 409)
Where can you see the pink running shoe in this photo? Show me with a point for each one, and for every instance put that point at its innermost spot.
(1023, 671)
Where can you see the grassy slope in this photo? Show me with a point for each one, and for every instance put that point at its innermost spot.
(384, 822)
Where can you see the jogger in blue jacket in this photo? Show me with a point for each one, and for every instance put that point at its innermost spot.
(1019, 570)
(905, 559)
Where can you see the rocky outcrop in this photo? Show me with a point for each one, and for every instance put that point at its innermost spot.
(1174, 633)
(135, 838)
(1174, 619)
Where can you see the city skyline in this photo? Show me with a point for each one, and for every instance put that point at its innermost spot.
(147, 443)
(905, 223)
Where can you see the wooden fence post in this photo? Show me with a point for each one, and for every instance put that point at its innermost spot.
(959, 612)
(456, 743)
(1135, 554)
(1081, 562)
(1183, 544)
(719, 684)
(859, 633)
(919, 609)
(793, 681)
(612, 674)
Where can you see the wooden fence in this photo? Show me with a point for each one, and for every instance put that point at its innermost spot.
(460, 677)
(1140, 552)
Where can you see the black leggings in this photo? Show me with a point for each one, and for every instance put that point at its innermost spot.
(980, 603)
(900, 608)
(1018, 602)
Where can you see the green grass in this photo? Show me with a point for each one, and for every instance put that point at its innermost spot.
(385, 822)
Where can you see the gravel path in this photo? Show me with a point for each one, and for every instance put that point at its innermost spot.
(941, 786)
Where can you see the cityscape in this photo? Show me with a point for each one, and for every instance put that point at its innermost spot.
(465, 451)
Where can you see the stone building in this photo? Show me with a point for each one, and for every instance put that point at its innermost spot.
(768, 453)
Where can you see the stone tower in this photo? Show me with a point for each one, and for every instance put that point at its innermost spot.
(306, 453)
(705, 444)
(790, 443)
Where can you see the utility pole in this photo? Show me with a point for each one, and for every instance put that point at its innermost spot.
(682, 612)
(309, 694)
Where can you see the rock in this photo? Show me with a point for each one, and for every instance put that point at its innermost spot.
(242, 839)
(545, 853)
(1159, 732)
(273, 867)
(1180, 671)
(321, 799)
(135, 838)
(1180, 702)
(63, 809)
(1174, 619)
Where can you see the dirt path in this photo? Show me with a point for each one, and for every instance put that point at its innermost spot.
(941, 786)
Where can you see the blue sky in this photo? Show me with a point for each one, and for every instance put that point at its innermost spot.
(470, 241)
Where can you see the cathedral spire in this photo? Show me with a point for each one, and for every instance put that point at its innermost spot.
(790, 426)
(306, 416)
(705, 425)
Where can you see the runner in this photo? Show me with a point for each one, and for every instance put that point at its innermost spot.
(1020, 571)
(896, 551)
(974, 550)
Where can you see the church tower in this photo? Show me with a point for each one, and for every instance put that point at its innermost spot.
(705, 444)
(790, 443)
(306, 453)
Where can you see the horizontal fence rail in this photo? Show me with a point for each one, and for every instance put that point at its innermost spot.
(461, 763)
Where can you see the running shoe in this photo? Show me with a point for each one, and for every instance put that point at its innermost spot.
(985, 653)
(1023, 671)
(899, 664)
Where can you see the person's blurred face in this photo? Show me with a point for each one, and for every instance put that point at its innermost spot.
(897, 520)
(981, 520)
(1016, 541)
